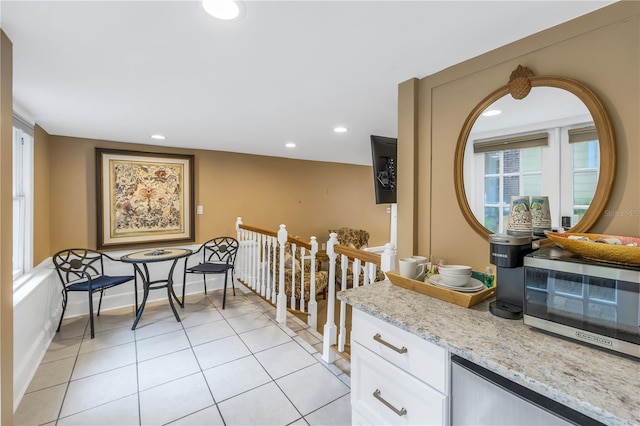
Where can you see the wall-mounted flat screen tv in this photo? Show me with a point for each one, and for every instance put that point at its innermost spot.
(385, 154)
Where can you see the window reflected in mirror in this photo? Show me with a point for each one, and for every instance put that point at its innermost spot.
(509, 173)
(585, 176)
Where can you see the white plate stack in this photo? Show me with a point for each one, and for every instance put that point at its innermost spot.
(472, 286)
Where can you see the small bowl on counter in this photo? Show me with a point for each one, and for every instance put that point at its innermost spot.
(455, 269)
(455, 275)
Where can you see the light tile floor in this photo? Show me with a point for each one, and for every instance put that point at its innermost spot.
(235, 366)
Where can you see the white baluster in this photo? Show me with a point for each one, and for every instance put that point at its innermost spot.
(312, 320)
(259, 281)
(281, 306)
(329, 337)
(369, 272)
(256, 262)
(250, 236)
(342, 335)
(239, 272)
(239, 256)
(262, 265)
(356, 272)
(274, 244)
(293, 275)
(245, 256)
(302, 274)
(254, 279)
(344, 268)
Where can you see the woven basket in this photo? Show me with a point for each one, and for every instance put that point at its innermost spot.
(619, 254)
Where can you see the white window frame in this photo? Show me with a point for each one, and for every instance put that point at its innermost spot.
(22, 200)
(568, 173)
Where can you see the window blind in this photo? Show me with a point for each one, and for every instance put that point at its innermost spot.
(511, 142)
(584, 134)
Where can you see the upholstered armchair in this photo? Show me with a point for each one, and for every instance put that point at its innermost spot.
(354, 238)
(350, 237)
(294, 263)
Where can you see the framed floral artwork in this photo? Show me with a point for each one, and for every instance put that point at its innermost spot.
(144, 198)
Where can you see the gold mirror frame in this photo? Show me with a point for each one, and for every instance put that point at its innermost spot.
(521, 82)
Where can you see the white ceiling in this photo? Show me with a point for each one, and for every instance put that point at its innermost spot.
(541, 107)
(287, 71)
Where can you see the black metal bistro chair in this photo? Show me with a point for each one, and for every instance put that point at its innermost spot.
(218, 257)
(82, 269)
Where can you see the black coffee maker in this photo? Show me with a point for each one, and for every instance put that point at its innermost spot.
(507, 253)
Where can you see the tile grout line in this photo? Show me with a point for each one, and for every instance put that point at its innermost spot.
(66, 390)
(135, 340)
(213, 398)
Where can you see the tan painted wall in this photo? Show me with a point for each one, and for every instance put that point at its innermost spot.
(602, 50)
(309, 197)
(6, 230)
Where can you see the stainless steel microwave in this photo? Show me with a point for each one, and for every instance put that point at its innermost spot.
(593, 302)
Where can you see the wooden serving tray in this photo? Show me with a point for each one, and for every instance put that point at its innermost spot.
(465, 300)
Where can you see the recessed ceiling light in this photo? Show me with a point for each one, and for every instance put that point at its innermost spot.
(491, 112)
(290, 145)
(157, 136)
(222, 9)
(340, 129)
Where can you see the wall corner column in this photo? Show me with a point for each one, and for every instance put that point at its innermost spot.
(408, 157)
(6, 230)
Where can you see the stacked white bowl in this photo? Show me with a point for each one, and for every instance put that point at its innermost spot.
(455, 275)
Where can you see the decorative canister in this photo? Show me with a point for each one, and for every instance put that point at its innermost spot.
(520, 222)
(540, 214)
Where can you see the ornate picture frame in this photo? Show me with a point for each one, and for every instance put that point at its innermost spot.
(144, 198)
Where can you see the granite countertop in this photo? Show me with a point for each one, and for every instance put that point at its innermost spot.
(599, 384)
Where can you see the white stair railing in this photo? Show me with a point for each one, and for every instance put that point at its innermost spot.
(365, 264)
(261, 267)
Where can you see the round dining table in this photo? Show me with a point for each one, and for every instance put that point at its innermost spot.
(141, 259)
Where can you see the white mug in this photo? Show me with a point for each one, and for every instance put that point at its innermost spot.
(410, 268)
(421, 260)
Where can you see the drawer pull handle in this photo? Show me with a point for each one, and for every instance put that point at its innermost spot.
(401, 412)
(378, 338)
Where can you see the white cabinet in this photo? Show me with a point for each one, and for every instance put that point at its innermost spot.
(397, 378)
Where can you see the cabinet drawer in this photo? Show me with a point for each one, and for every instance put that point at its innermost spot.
(382, 393)
(425, 360)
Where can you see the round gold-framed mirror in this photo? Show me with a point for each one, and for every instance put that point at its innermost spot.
(521, 83)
